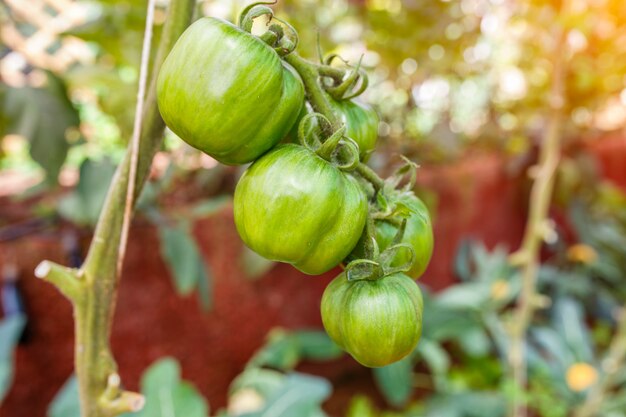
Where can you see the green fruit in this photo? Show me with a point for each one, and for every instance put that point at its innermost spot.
(293, 206)
(227, 93)
(361, 124)
(418, 234)
(376, 321)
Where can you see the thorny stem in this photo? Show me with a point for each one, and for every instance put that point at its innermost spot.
(310, 74)
(93, 289)
(527, 257)
(611, 365)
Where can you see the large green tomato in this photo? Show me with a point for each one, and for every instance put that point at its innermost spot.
(418, 234)
(293, 206)
(227, 93)
(361, 123)
(377, 321)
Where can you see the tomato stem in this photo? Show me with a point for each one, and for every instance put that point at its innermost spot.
(310, 73)
(93, 288)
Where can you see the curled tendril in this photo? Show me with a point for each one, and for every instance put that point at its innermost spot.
(338, 149)
(387, 257)
(353, 85)
(363, 269)
(283, 42)
(406, 170)
(331, 57)
(363, 84)
(309, 130)
(247, 16)
(340, 91)
(346, 154)
(288, 43)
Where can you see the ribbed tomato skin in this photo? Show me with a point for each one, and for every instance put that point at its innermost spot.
(227, 93)
(293, 206)
(377, 321)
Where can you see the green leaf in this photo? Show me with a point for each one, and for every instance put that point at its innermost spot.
(168, 396)
(42, 115)
(395, 381)
(282, 351)
(471, 295)
(467, 404)
(300, 395)
(83, 205)
(10, 330)
(437, 360)
(263, 381)
(569, 321)
(66, 402)
(182, 255)
(316, 345)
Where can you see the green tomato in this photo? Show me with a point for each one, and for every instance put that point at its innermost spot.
(293, 206)
(227, 93)
(361, 123)
(418, 234)
(377, 321)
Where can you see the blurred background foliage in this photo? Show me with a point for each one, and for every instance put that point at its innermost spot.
(448, 78)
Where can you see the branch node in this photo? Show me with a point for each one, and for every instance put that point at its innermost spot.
(65, 279)
(115, 402)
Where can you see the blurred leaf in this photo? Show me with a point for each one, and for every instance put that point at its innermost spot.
(263, 381)
(473, 295)
(66, 402)
(182, 255)
(42, 115)
(316, 345)
(301, 396)
(282, 351)
(168, 396)
(395, 381)
(475, 342)
(10, 331)
(467, 404)
(254, 265)
(552, 348)
(569, 321)
(462, 264)
(82, 206)
(437, 360)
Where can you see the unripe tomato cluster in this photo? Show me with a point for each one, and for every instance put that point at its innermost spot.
(314, 204)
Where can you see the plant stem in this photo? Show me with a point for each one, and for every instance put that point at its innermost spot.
(612, 364)
(314, 91)
(310, 74)
(527, 257)
(94, 303)
(369, 174)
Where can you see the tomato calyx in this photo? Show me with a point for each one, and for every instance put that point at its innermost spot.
(352, 85)
(283, 42)
(338, 149)
(376, 265)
